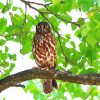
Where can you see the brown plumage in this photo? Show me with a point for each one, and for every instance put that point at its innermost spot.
(44, 51)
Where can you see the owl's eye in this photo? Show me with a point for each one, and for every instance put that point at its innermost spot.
(45, 26)
(38, 27)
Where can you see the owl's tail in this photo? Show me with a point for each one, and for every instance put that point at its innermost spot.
(48, 84)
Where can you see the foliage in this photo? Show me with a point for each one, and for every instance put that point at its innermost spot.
(83, 57)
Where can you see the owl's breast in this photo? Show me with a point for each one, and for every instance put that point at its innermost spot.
(44, 51)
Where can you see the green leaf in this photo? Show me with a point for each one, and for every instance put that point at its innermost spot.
(91, 40)
(75, 56)
(31, 56)
(97, 35)
(1, 5)
(12, 57)
(67, 17)
(27, 45)
(14, 8)
(97, 16)
(56, 1)
(81, 21)
(2, 42)
(73, 44)
(78, 33)
(89, 51)
(82, 47)
(47, 0)
(54, 8)
(3, 23)
(6, 49)
(67, 36)
(4, 64)
(88, 71)
(73, 26)
(12, 65)
(7, 7)
(7, 71)
(98, 3)
(4, 98)
(4, 56)
(68, 5)
(85, 5)
(93, 24)
(85, 29)
(74, 70)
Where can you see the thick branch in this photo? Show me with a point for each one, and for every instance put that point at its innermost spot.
(37, 73)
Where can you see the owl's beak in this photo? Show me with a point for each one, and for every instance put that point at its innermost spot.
(42, 29)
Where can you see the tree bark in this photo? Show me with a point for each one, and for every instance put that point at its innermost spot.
(37, 73)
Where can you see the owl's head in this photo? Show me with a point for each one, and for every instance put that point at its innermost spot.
(43, 27)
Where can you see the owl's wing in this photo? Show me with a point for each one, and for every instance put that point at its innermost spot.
(33, 44)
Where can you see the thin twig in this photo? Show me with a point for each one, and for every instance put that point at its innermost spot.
(61, 17)
(39, 3)
(24, 22)
(15, 34)
(6, 6)
(56, 15)
(11, 18)
(27, 3)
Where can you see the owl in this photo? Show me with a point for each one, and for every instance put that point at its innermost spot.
(44, 50)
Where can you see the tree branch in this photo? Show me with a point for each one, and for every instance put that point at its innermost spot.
(48, 11)
(40, 4)
(28, 3)
(38, 73)
(6, 6)
(64, 20)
